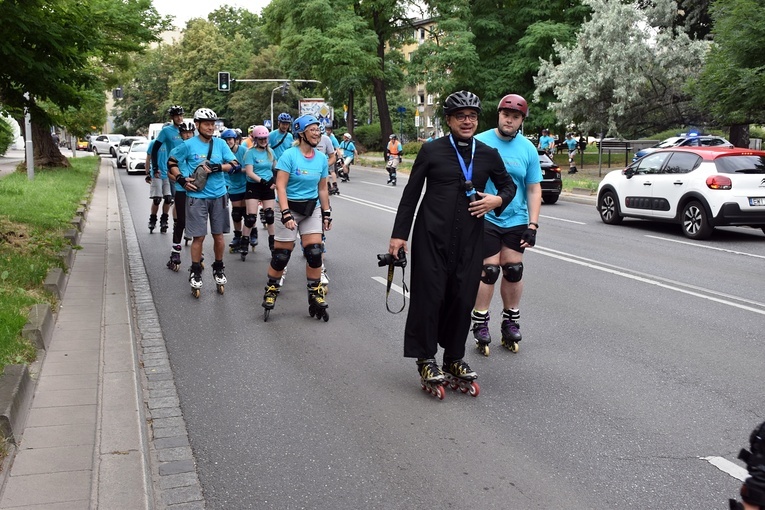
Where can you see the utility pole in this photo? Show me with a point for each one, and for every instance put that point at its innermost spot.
(28, 140)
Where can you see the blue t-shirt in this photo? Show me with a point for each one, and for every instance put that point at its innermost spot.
(348, 148)
(546, 141)
(335, 143)
(170, 137)
(274, 137)
(148, 151)
(522, 163)
(193, 152)
(262, 164)
(305, 173)
(237, 182)
(572, 144)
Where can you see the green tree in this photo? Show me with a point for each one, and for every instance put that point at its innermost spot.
(627, 71)
(232, 21)
(59, 51)
(146, 96)
(732, 85)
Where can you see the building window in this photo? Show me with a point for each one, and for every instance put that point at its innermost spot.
(430, 122)
(420, 98)
(430, 98)
(422, 34)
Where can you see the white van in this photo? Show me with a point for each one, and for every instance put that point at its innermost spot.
(156, 127)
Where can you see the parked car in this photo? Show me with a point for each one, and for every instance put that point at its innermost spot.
(105, 144)
(82, 144)
(698, 188)
(136, 158)
(552, 184)
(689, 140)
(124, 147)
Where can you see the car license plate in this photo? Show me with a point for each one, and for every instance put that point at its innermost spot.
(756, 201)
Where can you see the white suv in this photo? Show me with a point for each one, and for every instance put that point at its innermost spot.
(105, 144)
(697, 187)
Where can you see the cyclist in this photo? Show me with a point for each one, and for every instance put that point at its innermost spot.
(508, 234)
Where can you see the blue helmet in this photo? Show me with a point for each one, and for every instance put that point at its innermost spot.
(303, 122)
(284, 117)
(229, 133)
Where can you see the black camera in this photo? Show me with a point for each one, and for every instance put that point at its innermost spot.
(386, 259)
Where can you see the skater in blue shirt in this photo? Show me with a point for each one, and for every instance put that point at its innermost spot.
(280, 139)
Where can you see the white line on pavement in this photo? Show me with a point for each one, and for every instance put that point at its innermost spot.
(698, 245)
(562, 219)
(367, 203)
(395, 287)
(727, 466)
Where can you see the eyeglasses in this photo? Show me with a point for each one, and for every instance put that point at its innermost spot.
(312, 130)
(262, 139)
(461, 117)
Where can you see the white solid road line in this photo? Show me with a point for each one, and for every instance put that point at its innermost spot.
(728, 467)
(392, 287)
(698, 245)
(562, 219)
(373, 205)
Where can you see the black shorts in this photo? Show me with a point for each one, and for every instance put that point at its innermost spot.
(495, 237)
(259, 191)
(236, 197)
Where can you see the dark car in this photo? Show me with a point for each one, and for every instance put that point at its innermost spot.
(551, 179)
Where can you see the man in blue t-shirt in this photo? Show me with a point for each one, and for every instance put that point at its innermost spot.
(347, 150)
(280, 139)
(167, 139)
(546, 142)
(206, 194)
(507, 235)
(572, 145)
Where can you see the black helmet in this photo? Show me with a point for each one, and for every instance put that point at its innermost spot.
(175, 110)
(460, 100)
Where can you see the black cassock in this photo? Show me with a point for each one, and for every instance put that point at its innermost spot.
(446, 250)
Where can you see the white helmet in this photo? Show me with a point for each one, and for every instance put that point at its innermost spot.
(205, 114)
(347, 135)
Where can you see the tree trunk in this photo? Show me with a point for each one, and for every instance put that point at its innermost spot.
(46, 153)
(350, 116)
(378, 85)
(739, 135)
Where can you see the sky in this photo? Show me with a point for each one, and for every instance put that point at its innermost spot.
(184, 10)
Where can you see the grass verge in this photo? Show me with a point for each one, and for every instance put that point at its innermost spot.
(34, 216)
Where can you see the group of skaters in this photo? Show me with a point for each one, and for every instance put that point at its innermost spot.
(477, 215)
(219, 180)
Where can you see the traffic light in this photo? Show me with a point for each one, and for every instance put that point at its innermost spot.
(117, 93)
(285, 88)
(224, 81)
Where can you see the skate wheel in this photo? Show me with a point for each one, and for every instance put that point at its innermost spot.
(513, 347)
(463, 389)
(176, 267)
(266, 314)
(311, 312)
(440, 393)
(243, 256)
(454, 386)
(195, 293)
(326, 317)
(474, 389)
(221, 289)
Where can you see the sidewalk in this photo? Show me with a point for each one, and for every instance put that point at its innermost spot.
(84, 444)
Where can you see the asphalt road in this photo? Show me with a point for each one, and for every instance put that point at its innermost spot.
(642, 355)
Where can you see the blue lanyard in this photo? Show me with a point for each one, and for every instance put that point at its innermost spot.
(467, 172)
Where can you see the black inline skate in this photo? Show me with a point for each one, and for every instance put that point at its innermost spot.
(317, 305)
(481, 331)
(432, 379)
(269, 298)
(253, 238)
(244, 247)
(195, 279)
(511, 330)
(460, 376)
(152, 223)
(163, 224)
(220, 278)
(175, 258)
(262, 216)
(236, 242)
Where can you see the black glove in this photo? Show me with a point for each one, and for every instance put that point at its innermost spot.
(215, 167)
(530, 236)
(286, 216)
(148, 178)
(270, 182)
(181, 180)
(235, 168)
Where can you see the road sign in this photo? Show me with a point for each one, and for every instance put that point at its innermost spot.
(267, 123)
(401, 110)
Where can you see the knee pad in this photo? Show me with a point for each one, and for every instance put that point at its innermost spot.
(268, 214)
(169, 200)
(280, 258)
(312, 254)
(250, 220)
(157, 200)
(237, 213)
(490, 274)
(570, 160)
(513, 272)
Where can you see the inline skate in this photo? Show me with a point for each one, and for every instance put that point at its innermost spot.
(511, 330)
(432, 379)
(244, 247)
(460, 376)
(152, 223)
(481, 331)
(236, 242)
(317, 305)
(253, 238)
(195, 279)
(269, 298)
(163, 224)
(175, 258)
(220, 278)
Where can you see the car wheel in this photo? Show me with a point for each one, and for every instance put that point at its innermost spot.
(550, 199)
(95, 151)
(608, 207)
(113, 152)
(695, 222)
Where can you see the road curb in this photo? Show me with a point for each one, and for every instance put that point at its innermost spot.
(16, 390)
(39, 327)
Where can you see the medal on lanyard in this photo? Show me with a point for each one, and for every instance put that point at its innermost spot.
(466, 171)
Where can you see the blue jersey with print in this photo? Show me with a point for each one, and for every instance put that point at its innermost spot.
(522, 163)
(237, 182)
(193, 153)
(262, 164)
(305, 173)
(170, 137)
(274, 137)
